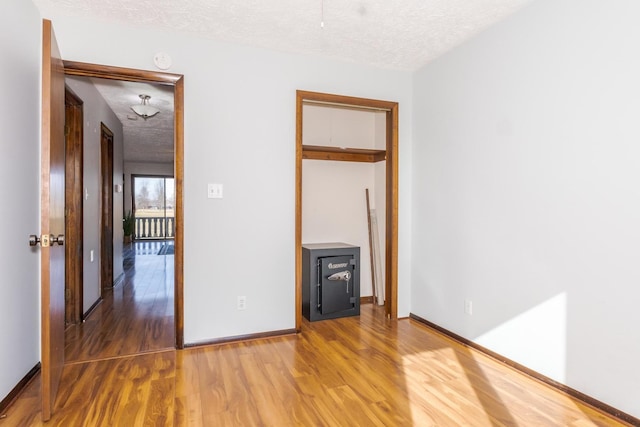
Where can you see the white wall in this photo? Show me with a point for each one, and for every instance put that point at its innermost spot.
(96, 111)
(240, 131)
(19, 191)
(333, 193)
(526, 193)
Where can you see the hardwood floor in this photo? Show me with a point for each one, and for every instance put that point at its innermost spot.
(355, 371)
(135, 316)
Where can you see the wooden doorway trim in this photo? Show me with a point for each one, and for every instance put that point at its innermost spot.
(74, 185)
(177, 82)
(391, 220)
(106, 208)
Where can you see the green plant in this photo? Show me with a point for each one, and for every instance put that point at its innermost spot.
(128, 223)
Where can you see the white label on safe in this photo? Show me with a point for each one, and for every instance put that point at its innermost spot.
(342, 265)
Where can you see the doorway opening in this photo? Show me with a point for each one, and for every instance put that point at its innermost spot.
(390, 154)
(176, 83)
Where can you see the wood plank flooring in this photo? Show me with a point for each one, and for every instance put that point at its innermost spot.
(356, 371)
(135, 316)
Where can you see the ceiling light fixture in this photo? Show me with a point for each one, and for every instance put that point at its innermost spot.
(143, 109)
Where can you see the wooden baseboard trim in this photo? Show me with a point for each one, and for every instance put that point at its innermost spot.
(93, 307)
(587, 400)
(366, 300)
(15, 392)
(240, 338)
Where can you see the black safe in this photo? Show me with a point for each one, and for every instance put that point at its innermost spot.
(330, 280)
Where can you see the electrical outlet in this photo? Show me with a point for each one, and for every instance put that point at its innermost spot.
(468, 307)
(242, 303)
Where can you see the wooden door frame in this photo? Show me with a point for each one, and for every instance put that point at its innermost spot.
(106, 208)
(176, 81)
(391, 191)
(74, 184)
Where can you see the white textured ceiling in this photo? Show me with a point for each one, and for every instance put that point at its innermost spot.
(148, 140)
(392, 34)
(397, 34)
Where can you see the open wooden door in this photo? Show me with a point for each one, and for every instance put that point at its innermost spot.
(52, 218)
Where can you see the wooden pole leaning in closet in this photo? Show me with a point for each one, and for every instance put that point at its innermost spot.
(371, 253)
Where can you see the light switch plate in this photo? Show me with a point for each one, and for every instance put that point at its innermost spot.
(214, 191)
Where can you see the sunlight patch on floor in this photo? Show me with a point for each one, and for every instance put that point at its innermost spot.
(435, 380)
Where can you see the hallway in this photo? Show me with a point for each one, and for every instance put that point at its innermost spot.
(136, 316)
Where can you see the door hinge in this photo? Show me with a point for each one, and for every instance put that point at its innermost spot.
(67, 294)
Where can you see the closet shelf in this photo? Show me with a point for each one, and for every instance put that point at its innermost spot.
(318, 152)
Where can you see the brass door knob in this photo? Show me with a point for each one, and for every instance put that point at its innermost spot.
(34, 240)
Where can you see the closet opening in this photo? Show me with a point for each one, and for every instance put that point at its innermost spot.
(352, 144)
